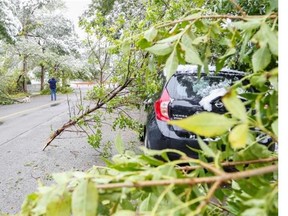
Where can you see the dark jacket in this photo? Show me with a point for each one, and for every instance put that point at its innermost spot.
(52, 83)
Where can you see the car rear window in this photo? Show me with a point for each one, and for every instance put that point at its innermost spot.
(189, 86)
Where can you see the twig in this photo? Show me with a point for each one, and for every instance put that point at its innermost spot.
(211, 167)
(272, 16)
(77, 131)
(122, 110)
(238, 7)
(220, 207)
(208, 197)
(202, 164)
(161, 197)
(234, 163)
(262, 160)
(192, 181)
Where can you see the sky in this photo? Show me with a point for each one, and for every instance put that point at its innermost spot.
(74, 9)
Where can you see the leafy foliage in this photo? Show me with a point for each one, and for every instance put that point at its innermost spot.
(164, 35)
(40, 47)
(9, 23)
(132, 184)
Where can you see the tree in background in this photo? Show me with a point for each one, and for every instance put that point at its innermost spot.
(40, 44)
(9, 22)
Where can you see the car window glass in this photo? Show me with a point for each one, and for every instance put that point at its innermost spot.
(187, 86)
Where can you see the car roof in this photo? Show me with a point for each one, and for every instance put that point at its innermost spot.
(193, 69)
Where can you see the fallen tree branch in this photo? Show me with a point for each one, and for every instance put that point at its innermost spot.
(234, 163)
(192, 181)
(71, 122)
(232, 17)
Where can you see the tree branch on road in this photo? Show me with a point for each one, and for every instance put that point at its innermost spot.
(100, 103)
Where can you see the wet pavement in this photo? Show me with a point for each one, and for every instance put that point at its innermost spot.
(24, 131)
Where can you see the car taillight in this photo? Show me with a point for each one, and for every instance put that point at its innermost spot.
(161, 106)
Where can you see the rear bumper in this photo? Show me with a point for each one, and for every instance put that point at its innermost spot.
(160, 137)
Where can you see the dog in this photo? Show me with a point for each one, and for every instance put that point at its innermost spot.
(27, 99)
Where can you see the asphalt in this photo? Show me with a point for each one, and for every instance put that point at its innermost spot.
(24, 131)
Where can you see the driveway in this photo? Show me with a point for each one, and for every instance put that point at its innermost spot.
(24, 130)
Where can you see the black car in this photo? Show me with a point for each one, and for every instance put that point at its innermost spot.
(186, 93)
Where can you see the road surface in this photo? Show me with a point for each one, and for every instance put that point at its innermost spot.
(24, 130)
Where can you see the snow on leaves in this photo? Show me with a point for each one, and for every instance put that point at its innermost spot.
(9, 22)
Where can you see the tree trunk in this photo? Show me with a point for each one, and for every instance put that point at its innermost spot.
(24, 72)
(64, 82)
(42, 77)
(101, 78)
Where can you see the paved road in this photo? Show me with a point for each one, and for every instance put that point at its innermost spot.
(24, 130)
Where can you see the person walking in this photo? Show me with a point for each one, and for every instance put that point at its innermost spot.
(52, 85)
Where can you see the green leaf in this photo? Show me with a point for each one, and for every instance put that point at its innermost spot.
(275, 127)
(161, 49)
(171, 64)
(264, 36)
(125, 213)
(151, 34)
(246, 39)
(143, 43)
(272, 39)
(261, 59)
(191, 54)
(254, 211)
(207, 151)
(205, 124)
(235, 106)
(151, 65)
(48, 196)
(151, 160)
(170, 39)
(253, 151)
(258, 80)
(238, 137)
(125, 47)
(187, 39)
(221, 60)
(148, 203)
(62, 178)
(28, 204)
(60, 207)
(274, 78)
(85, 199)
(119, 144)
(194, 15)
(152, 152)
(219, 64)
(273, 5)
(228, 53)
(201, 39)
(248, 25)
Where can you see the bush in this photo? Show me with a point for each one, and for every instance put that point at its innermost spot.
(62, 90)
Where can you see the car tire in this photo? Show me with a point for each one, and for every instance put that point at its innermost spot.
(142, 133)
